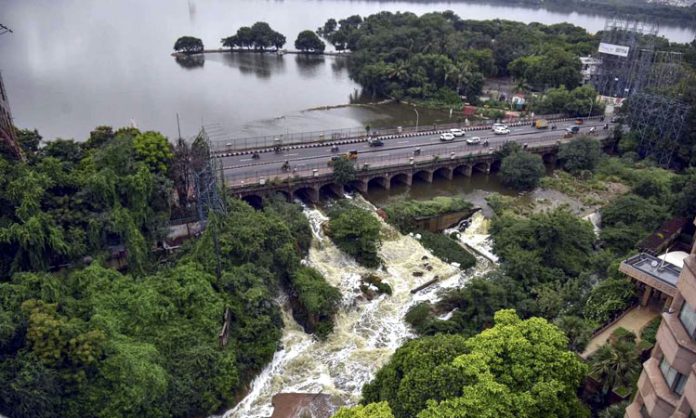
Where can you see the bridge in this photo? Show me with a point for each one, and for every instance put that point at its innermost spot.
(309, 175)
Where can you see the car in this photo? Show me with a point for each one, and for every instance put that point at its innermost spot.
(573, 129)
(457, 132)
(501, 131)
(375, 142)
(473, 140)
(498, 126)
(447, 137)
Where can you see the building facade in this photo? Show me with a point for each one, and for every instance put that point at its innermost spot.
(7, 134)
(667, 385)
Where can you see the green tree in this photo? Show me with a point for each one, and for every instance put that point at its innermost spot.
(308, 41)
(582, 153)
(356, 231)
(189, 45)
(516, 368)
(318, 301)
(615, 364)
(609, 298)
(578, 330)
(376, 410)
(522, 170)
(154, 150)
(343, 170)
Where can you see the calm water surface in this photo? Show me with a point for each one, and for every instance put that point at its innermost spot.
(73, 64)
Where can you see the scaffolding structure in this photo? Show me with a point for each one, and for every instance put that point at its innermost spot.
(632, 69)
(621, 72)
(209, 199)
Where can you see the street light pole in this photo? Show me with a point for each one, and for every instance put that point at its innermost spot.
(417, 117)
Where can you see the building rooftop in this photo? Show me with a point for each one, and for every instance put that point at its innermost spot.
(663, 271)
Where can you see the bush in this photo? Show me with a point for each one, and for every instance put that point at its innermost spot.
(446, 249)
(318, 300)
(404, 213)
(356, 232)
(609, 298)
(418, 316)
(649, 332)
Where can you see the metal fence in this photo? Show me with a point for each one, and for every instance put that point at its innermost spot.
(232, 145)
(300, 170)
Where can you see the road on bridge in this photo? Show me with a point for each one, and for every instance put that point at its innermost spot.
(244, 170)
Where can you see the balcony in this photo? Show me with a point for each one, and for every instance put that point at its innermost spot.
(690, 389)
(676, 344)
(659, 400)
(687, 280)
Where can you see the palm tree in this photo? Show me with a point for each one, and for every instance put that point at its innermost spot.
(615, 365)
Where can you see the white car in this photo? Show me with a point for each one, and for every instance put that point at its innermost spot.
(473, 140)
(457, 132)
(446, 137)
(501, 131)
(498, 126)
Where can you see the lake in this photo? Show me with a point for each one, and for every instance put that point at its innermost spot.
(71, 65)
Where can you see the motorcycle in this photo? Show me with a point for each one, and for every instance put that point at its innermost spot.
(606, 126)
(255, 156)
(485, 143)
(553, 127)
(334, 148)
(286, 166)
(417, 151)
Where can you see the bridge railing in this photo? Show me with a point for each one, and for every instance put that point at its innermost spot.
(232, 145)
(264, 176)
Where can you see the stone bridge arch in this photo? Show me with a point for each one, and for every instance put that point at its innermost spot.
(495, 165)
(378, 181)
(482, 167)
(254, 200)
(464, 169)
(306, 194)
(359, 185)
(423, 175)
(444, 172)
(401, 178)
(332, 190)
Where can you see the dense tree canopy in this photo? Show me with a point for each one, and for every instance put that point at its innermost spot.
(582, 153)
(440, 57)
(516, 368)
(87, 340)
(308, 41)
(259, 36)
(521, 170)
(188, 44)
(356, 231)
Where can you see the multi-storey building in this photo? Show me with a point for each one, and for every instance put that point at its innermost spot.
(7, 134)
(667, 385)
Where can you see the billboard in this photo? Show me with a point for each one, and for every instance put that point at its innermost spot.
(611, 49)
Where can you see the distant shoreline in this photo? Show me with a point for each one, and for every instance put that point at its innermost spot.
(258, 51)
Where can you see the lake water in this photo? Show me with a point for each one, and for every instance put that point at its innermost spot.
(71, 65)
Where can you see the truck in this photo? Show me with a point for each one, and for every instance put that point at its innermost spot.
(541, 124)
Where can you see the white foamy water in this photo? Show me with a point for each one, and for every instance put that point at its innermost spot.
(366, 332)
(475, 235)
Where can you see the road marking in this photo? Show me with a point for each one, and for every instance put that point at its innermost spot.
(402, 142)
(247, 159)
(291, 155)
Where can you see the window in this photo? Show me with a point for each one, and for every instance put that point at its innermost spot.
(687, 316)
(673, 378)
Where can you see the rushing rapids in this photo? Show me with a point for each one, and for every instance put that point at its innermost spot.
(366, 332)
